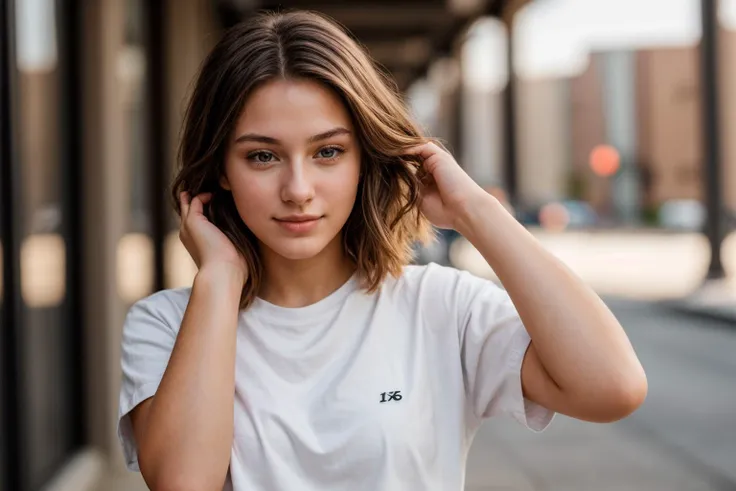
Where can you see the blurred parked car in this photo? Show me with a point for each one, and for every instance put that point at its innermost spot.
(559, 215)
(438, 251)
(682, 214)
(528, 215)
(580, 213)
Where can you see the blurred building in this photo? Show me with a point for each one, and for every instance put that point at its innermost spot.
(669, 113)
(545, 122)
(563, 120)
(84, 120)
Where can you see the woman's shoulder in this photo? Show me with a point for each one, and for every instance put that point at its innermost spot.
(167, 306)
(434, 275)
(428, 281)
(417, 273)
(435, 282)
(438, 294)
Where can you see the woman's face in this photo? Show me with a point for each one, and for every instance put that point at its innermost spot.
(293, 165)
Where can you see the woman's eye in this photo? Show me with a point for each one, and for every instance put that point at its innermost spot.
(261, 157)
(329, 153)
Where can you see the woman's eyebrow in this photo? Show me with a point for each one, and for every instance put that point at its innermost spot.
(253, 137)
(329, 134)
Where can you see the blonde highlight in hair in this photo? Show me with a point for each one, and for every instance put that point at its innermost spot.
(385, 220)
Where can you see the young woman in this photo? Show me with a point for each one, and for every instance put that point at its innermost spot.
(308, 355)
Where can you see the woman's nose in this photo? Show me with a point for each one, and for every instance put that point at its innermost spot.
(297, 187)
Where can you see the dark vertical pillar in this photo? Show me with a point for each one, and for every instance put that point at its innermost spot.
(711, 136)
(71, 161)
(509, 122)
(158, 112)
(11, 462)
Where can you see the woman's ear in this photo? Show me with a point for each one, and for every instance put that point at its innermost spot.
(224, 184)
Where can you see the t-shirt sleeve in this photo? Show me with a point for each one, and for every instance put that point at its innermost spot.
(148, 339)
(493, 342)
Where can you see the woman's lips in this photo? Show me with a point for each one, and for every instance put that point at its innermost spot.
(298, 225)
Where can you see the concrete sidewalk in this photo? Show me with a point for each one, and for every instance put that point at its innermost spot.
(716, 299)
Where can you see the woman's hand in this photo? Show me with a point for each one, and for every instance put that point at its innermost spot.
(448, 190)
(207, 244)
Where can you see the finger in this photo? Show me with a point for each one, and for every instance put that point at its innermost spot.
(426, 178)
(424, 151)
(198, 203)
(420, 150)
(184, 203)
(205, 197)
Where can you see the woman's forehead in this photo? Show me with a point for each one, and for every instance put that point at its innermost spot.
(293, 104)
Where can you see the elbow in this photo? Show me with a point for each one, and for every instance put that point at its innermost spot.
(630, 397)
(621, 399)
(175, 478)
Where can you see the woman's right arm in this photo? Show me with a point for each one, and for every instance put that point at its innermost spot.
(184, 433)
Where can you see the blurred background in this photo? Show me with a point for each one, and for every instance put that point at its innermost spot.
(606, 126)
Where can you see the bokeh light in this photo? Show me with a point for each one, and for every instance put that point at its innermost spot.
(605, 160)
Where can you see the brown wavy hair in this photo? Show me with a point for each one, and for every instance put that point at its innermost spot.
(385, 220)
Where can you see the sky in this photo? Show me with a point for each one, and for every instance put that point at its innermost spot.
(554, 37)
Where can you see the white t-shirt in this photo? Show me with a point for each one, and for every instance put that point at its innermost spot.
(358, 391)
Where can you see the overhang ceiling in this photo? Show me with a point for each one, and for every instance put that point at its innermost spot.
(403, 36)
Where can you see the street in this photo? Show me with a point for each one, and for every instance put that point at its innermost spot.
(683, 438)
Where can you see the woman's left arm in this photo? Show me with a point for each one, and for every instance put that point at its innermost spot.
(580, 361)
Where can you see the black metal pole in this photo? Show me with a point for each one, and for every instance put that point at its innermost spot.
(711, 136)
(13, 473)
(71, 155)
(157, 114)
(509, 113)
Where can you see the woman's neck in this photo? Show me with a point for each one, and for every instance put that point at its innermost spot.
(298, 283)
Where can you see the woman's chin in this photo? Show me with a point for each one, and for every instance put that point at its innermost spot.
(299, 249)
